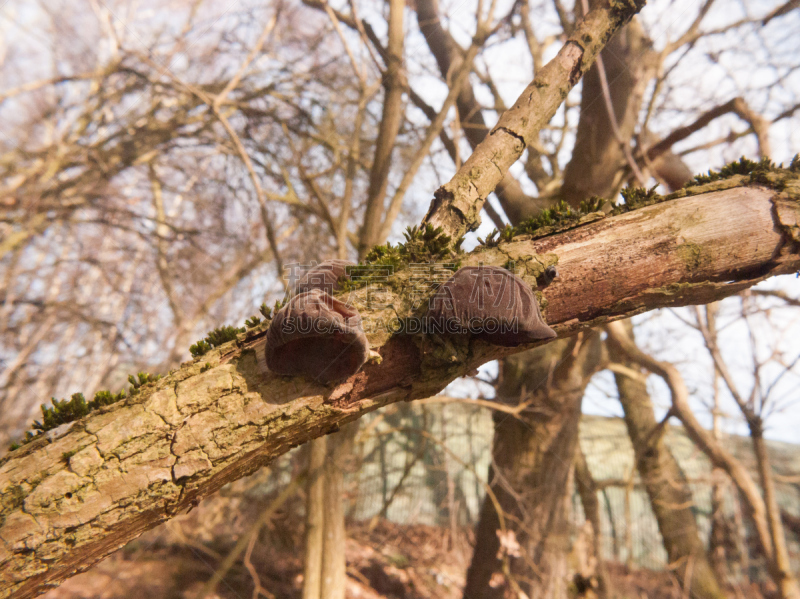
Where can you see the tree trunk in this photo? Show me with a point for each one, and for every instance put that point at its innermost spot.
(664, 481)
(334, 558)
(719, 539)
(315, 519)
(325, 561)
(514, 449)
(780, 564)
(597, 166)
(532, 463)
(595, 577)
(394, 84)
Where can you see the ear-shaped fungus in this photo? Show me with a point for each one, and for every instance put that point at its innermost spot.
(324, 276)
(491, 303)
(318, 337)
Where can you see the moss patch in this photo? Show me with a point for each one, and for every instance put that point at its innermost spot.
(691, 254)
(743, 166)
(63, 411)
(215, 338)
(422, 244)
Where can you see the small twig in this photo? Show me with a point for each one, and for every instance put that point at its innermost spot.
(483, 403)
(247, 61)
(432, 133)
(359, 73)
(266, 219)
(258, 590)
(758, 125)
(244, 540)
(691, 34)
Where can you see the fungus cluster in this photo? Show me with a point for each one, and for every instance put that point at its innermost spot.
(321, 338)
(489, 303)
(315, 335)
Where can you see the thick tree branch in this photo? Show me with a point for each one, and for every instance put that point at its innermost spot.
(458, 203)
(83, 490)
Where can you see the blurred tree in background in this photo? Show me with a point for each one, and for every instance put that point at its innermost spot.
(163, 167)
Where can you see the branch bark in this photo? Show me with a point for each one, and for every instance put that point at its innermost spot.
(449, 56)
(70, 498)
(457, 204)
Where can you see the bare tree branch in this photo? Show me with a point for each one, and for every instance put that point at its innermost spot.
(737, 106)
(457, 204)
(78, 493)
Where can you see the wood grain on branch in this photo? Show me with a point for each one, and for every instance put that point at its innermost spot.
(89, 487)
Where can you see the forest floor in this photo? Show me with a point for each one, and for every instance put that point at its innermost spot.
(408, 562)
(384, 559)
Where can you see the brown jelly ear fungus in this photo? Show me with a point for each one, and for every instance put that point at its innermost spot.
(318, 337)
(490, 303)
(326, 276)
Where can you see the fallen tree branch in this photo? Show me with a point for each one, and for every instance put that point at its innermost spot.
(80, 492)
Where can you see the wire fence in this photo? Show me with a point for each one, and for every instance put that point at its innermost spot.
(428, 464)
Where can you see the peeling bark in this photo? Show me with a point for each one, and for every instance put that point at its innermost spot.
(84, 490)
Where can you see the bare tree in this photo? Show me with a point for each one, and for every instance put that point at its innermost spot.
(155, 185)
(770, 533)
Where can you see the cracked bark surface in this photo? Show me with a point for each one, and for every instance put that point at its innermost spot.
(87, 488)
